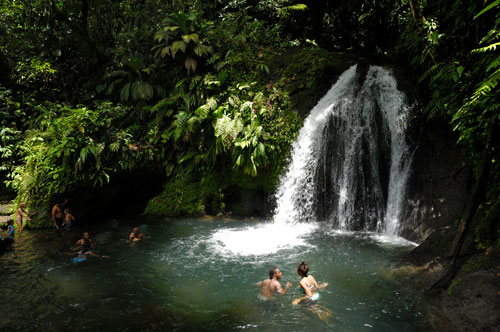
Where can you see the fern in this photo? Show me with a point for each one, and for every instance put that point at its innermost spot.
(494, 64)
(489, 48)
(180, 122)
(487, 85)
(433, 69)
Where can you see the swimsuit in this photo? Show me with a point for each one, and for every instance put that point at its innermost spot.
(315, 296)
(59, 222)
(11, 230)
(85, 246)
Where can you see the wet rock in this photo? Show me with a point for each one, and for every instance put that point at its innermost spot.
(438, 184)
(5, 243)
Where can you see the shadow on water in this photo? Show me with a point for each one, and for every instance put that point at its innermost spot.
(182, 279)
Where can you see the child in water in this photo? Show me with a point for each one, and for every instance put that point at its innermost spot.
(11, 231)
(68, 219)
(84, 245)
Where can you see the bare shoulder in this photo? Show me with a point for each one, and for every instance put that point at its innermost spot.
(276, 284)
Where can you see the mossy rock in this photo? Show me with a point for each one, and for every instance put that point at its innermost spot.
(7, 209)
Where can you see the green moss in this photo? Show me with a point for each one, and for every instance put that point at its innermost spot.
(471, 265)
(453, 286)
(187, 194)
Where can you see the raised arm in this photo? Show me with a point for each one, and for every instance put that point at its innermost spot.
(323, 285)
(281, 290)
(23, 213)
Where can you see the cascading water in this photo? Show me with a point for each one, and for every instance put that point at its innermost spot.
(350, 162)
(349, 167)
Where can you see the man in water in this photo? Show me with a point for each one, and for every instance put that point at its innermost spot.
(269, 287)
(136, 236)
(57, 214)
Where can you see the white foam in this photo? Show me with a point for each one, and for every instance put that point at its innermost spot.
(377, 237)
(261, 239)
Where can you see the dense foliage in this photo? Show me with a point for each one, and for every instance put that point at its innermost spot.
(454, 47)
(208, 93)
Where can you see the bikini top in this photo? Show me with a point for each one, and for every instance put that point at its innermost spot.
(307, 283)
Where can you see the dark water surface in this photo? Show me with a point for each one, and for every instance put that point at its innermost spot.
(184, 278)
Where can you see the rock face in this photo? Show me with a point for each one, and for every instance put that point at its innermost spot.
(438, 184)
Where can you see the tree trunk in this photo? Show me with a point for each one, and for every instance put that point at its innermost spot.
(416, 12)
(477, 197)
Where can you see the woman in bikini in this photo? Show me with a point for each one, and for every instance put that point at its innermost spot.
(310, 287)
(19, 216)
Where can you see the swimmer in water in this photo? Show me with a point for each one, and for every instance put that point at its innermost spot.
(84, 245)
(271, 286)
(68, 219)
(136, 236)
(310, 287)
(11, 231)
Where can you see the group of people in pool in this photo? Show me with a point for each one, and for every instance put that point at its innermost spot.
(61, 218)
(20, 214)
(308, 285)
(83, 246)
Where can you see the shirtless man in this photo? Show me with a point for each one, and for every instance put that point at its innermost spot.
(136, 236)
(269, 287)
(19, 216)
(57, 214)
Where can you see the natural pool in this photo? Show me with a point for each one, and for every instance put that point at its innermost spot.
(200, 275)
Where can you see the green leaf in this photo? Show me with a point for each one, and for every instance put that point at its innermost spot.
(192, 37)
(145, 90)
(222, 76)
(165, 51)
(490, 6)
(178, 45)
(125, 92)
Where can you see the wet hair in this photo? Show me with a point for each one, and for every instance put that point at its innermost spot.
(272, 271)
(10, 222)
(303, 268)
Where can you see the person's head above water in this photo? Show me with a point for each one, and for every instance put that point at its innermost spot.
(86, 235)
(303, 269)
(135, 230)
(274, 271)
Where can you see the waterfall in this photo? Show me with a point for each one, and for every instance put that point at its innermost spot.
(350, 163)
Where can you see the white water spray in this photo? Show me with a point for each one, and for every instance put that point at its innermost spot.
(351, 160)
(349, 167)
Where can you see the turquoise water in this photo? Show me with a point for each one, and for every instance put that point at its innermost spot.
(186, 278)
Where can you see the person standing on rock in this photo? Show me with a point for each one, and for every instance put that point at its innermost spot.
(57, 214)
(20, 213)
